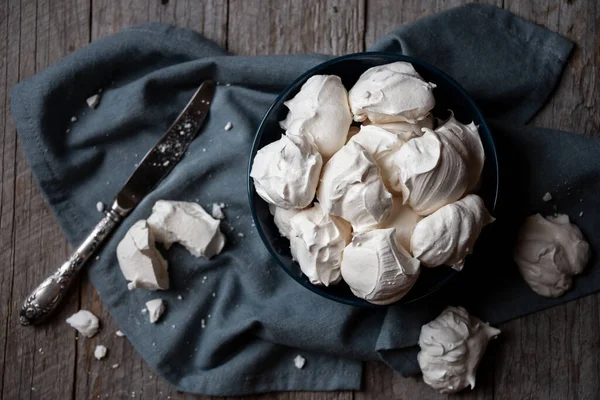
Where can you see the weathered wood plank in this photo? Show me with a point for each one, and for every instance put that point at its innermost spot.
(283, 27)
(41, 359)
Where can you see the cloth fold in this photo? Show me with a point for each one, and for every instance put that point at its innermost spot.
(257, 318)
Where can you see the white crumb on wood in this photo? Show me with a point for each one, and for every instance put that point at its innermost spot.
(217, 212)
(100, 206)
(547, 197)
(114, 366)
(100, 352)
(228, 126)
(119, 333)
(93, 101)
(299, 361)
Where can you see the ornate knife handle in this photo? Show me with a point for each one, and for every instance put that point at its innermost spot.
(48, 295)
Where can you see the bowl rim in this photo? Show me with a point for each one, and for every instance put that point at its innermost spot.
(394, 57)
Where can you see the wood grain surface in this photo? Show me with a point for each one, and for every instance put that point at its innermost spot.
(551, 354)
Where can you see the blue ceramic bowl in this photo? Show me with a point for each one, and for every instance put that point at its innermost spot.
(449, 95)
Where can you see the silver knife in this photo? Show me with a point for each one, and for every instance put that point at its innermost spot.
(155, 165)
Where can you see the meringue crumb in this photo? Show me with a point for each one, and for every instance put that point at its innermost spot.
(581, 214)
(100, 206)
(114, 366)
(119, 333)
(240, 234)
(93, 101)
(547, 197)
(144, 311)
(228, 84)
(214, 294)
(100, 352)
(179, 297)
(73, 119)
(97, 258)
(217, 212)
(299, 361)
(228, 126)
(202, 323)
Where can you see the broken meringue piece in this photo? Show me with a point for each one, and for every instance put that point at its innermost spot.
(286, 172)
(377, 269)
(317, 241)
(100, 352)
(187, 224)
(217, 211)
(403, 219)
(85, 322)
(156, 308)
(549, 251)
(282, 218)
(391, 92)
(352, 188)
(452, 346)
(140, 261)
(320, 111)
(448, 236)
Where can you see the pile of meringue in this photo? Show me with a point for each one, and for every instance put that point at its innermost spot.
(392, 194)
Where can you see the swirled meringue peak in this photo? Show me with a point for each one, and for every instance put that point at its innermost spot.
(321, 112)
(391, 92)
(549, 251)
(380, 144)
(447, 236)
(377, 269)
(452, 346)
(352, 188)
(286, 172)
(317, 241)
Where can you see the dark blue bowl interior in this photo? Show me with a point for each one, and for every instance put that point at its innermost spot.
(449, 96)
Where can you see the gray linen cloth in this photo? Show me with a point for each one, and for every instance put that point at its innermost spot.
(257, 318)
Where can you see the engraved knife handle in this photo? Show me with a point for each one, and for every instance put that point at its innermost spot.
(48, 295)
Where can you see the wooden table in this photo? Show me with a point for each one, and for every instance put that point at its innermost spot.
(548, 355)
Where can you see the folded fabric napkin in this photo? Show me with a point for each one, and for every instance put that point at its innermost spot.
(257, 318)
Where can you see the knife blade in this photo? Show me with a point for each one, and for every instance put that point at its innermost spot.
(161, 159)
(155, 165)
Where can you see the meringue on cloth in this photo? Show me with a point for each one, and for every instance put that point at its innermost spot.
(317, 241)
(403, 219)
(549, 251)
(452, 346)
(389, 93)
(352, 188)
(377, 269)
(286, 172)
(321, 112)
(439, 167)
(447, 236)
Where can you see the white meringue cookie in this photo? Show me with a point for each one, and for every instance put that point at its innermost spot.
(452, 346)
(406, 130)
(377, 269)
(447, 236)
(391, 92)
(549, 251)
(352, 188)
(317, 241)
(187, 224)
(380, 144)
(286, 172)
(282, 217)
(472, 149)
(321, 112)
(439, 167)
(403, 219)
